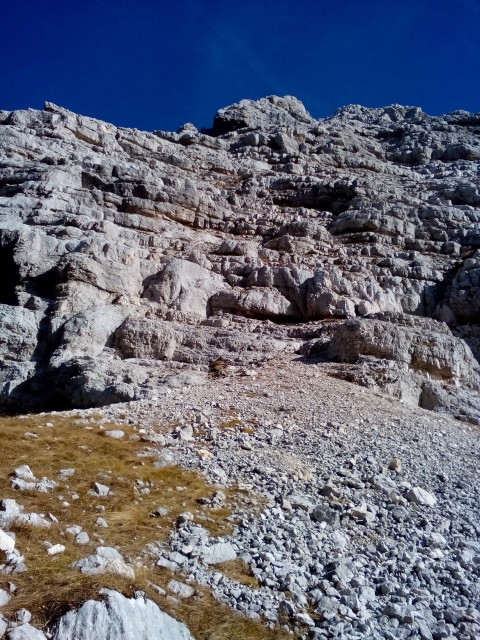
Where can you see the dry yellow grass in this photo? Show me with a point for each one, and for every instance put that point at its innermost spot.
(230, 424)
(138, 487)
(237, 570)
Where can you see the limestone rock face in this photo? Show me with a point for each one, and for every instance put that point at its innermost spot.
(183, 290)
(130, 258)
(428, 347)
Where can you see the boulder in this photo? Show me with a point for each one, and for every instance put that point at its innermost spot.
(116, 617)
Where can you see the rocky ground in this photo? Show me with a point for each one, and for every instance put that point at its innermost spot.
(199, 303)
(362, 519)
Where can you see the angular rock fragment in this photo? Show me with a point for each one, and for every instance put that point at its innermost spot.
(104, 560)
(116, 617)
(420, 496)
(219, 552)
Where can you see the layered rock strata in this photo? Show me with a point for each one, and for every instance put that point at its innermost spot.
(132, 260)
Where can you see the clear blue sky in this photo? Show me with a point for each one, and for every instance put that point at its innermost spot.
(155, 64)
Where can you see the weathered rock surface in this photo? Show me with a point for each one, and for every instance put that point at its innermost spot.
(104, 560)
(119, 618)
(133, 257)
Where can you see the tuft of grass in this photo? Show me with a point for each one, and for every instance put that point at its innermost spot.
(49, 443)
(237, 570)
(230, 424)
(248, 430)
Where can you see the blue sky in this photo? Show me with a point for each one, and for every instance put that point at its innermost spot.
(157, 64)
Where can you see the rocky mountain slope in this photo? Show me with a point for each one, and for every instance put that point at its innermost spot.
(132, 261)
(285, 504)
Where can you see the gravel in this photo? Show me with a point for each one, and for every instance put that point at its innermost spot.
(370, 526)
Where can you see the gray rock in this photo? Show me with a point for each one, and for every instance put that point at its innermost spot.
(166, 564)
(25, 632)
(22, 616)
(9, 512)
(104, 560)
(82, 538)
(180, 588)
(116, 434)
(324, 513)
(420, 496)
(33, 520)
(24, 472)
(119, 618)
(219, 552)
(100, 490)
(384, 483)
(136, 261)
(304, 503)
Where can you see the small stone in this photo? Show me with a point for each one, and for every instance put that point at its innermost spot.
(436, 540)
(185, 434)
(395, 465)
(305, 619)
(304, 503)
(329, 491)
(166, 564)
(180, 589)
(9, 511)
(105, 560)
(73, 530)
(324, 513)
(220, 552)
(25, 632)
(7, 543)
(116, 434)
(204, 454)
(33, 520)
(55, 549)
(82, 538)
(22, 616)
(419, 496)
(363, 512)
(156, 588)
(66, 473)
(100, 489)
(383, 483)
(101, 522)
(326, 608)
(24, 472)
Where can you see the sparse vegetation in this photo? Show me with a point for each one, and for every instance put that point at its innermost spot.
(54, 442)
(230, 424)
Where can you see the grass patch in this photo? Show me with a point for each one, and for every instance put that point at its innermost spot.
(50, 443)
(237, 570)
(230, 424)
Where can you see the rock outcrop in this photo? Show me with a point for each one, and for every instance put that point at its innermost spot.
(131, 258)
(119, 618)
